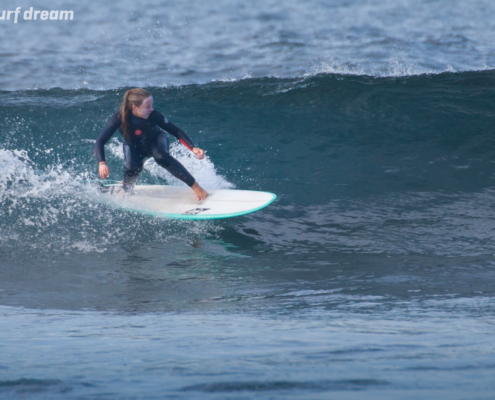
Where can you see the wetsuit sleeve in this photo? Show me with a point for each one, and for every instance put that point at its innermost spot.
(105, 136)
(166, 125)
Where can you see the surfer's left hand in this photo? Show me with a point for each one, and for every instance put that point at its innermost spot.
(200, 153)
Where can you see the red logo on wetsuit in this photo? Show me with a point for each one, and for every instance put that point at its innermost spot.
(138, 132)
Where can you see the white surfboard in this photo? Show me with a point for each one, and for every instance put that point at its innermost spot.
(180, 202)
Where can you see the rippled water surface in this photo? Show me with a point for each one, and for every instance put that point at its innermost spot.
(163, 43)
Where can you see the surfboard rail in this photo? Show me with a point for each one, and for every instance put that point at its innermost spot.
(178, 202)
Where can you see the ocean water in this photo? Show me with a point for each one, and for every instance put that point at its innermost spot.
(371, 275)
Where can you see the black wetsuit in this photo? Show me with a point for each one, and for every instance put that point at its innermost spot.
(146, 140)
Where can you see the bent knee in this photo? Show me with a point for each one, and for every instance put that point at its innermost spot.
(165, 160)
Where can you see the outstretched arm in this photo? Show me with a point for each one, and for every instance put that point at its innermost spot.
(104, 137)
(168, 126)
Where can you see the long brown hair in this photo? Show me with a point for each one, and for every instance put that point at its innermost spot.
(134, 96)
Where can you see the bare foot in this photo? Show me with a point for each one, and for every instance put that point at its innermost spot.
(121, 193)
(200, 192)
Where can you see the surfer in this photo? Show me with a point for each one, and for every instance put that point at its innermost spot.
(140, 126)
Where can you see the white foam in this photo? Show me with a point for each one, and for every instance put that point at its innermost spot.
(202, 170)
(59, 210)
(20, 178)
(394, 69)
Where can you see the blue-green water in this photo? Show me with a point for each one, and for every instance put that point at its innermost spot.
(371, 275)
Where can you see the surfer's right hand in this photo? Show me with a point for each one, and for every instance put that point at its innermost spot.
(103, 170)
(200, 153)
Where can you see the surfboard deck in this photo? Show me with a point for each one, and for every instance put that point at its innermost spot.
(180, 202)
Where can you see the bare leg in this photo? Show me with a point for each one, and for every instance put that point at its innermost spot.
(200, 192)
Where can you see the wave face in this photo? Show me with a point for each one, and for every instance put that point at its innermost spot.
(377, 254)
(361, 164)
(111, 45)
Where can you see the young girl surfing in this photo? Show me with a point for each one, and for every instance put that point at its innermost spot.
(140, 127)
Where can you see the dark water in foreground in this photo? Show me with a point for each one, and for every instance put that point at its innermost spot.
(371, 276)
